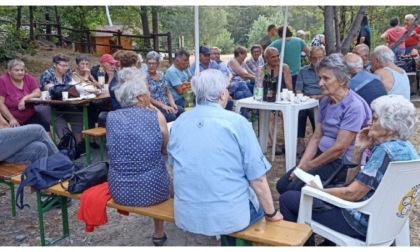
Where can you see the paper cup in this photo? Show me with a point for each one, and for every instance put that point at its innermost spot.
(65, 95)
(106, 88)
(299, 97)
(45, 95)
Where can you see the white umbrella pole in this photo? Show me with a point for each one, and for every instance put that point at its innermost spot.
(108, 15)
(283, 44)
(196, 41)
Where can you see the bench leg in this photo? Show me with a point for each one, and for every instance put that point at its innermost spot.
(12, 195)
(102, 148)
(233, 241)
(43, 209)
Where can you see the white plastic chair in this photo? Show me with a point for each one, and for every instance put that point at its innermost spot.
(388, 208)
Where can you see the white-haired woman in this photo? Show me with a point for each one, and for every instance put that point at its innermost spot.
(342, 114)
(159, 88)
(394, 121)
(216, 161)
(136, 139)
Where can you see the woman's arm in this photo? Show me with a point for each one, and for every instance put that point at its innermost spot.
(36, 93)
(340, 146)
(238, 69)
(384, 36)
(3, 122)
(171, 99)
(287, 77)
(353, 192)
(260, 186)
(164, 129)
(6, 113)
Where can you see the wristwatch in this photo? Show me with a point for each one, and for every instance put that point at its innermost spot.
(271, 215)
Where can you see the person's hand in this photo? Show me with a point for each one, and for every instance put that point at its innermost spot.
(4, 125)
(168, 109)
(292, 176)
(363, 141)
(276, 217)
(13, 123)
(175, 107)
(21, 105)
(312, 184)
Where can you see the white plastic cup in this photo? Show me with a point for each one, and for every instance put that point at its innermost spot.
(299, 97)
(45, 95)
(106, 88)
(65, 95)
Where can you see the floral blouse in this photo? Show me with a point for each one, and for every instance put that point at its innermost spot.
(158, 88)
(48, 76)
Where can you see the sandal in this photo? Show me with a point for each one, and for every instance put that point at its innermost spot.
(159, 241)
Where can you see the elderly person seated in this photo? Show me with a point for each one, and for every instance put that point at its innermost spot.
(220, 186)
(271, 55)
(15, 88)
(241, 76)
(394, 78)
(60, 74)
(254, 63)
(136, 140)
(342, 114)
(393, 122)
(308, 83)
(24, 143)
(161, 95)
(107, 64)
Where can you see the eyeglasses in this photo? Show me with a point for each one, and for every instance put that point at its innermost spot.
(63, 66)
(152, 63)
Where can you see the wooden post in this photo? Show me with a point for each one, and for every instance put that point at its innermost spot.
(169, 41)
(57, 17)
(88, 40)
(155, 28)
(119, 39)
(31, 24)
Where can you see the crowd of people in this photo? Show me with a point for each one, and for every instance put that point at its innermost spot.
(219, 171)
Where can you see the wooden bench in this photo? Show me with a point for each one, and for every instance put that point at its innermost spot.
(7, 171)
(95, 132)
(281, 233)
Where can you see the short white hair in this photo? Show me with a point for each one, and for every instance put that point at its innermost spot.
(397, 114)
(355, 63)
(300, 32)
(215, 48)
(208, 86)
(384, 54)
(409, 16)
(132, 83)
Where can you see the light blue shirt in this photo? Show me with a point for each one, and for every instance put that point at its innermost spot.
(223, 67)
(214, 153)
(175, 78)
(212, 65)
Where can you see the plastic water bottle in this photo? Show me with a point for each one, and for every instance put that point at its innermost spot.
(258, 87)
(101, 77)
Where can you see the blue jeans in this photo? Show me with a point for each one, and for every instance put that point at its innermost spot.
(25, 143)
(408, 49)
(171, 117)
(180, 102)
(239, 90)
(398, 51)
(255, 215)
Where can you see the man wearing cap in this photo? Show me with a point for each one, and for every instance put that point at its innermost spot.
(205, 61)
(268, 38)
(177, 74)
(107, 65)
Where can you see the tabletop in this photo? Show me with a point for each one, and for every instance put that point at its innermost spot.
(71, 101)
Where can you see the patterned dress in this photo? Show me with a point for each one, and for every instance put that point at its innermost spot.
(137, 173)
(158, 88)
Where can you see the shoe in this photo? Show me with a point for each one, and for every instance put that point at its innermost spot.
(159, 241)
(94, 145)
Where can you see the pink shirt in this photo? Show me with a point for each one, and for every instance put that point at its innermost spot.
(394, 34)
(12, 96)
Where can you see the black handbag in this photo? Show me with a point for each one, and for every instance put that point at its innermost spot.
(87, 177)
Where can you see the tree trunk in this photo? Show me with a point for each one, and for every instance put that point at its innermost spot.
(31, 24)
(345, 45)
(155, 27)
(407, 33)
(337, 25)
(48, 28)
(145, 24)
(18, 17)
(58, 21)
(329, 29)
